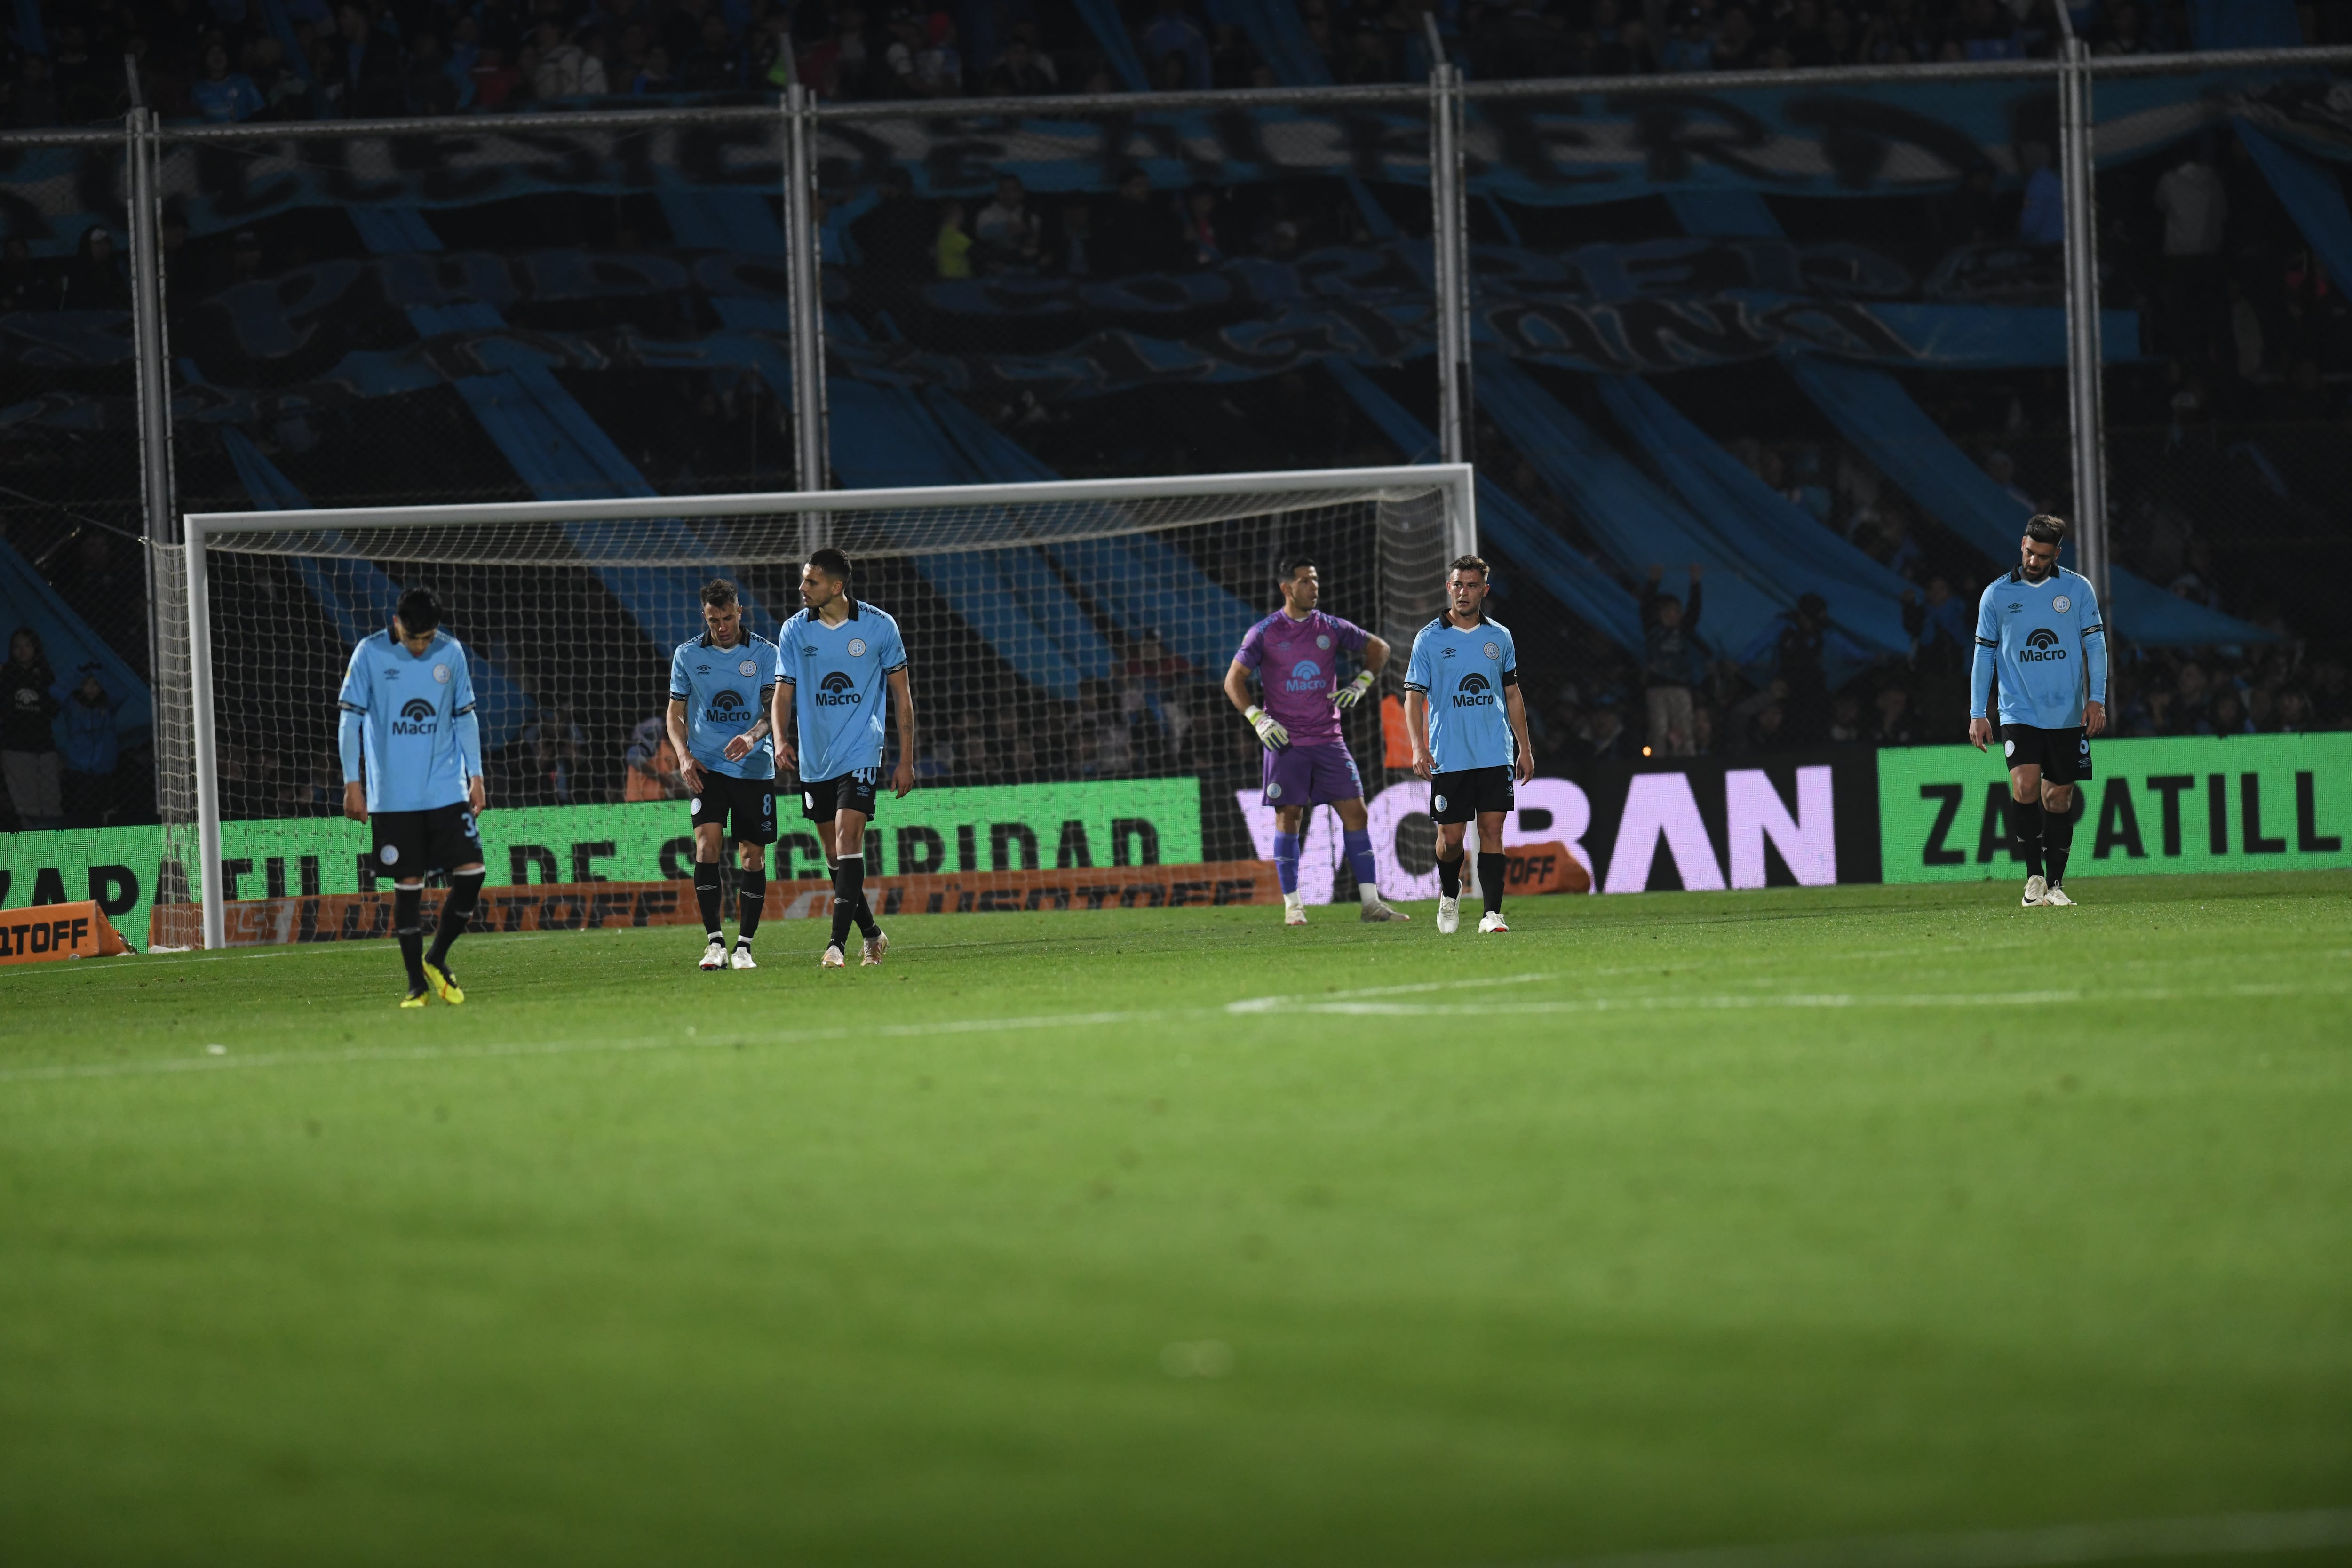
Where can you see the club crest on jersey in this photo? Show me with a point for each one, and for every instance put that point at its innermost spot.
(2062, 604)
(441, 671)
(1492, 650)
(1472, 692)
(2041, 645)
(416, 718)
(833, 691)
(749, 667)
(857, 647)
(1323, 640)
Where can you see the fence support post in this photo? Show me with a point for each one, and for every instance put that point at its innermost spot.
(1450, 253)
(805, 267)
(2086, 404)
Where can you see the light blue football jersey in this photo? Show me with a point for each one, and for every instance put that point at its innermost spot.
(409, 705)
(839, 676)
(1462, 673)
(726, 691)
(2049, 645)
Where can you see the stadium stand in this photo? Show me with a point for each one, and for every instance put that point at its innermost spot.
(1102, 323)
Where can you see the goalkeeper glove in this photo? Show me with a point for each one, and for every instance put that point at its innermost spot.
(1354, 691)
(1270, 734)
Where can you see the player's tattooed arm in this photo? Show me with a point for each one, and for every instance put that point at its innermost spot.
(740, 746)
(902, 778)
(686, 771)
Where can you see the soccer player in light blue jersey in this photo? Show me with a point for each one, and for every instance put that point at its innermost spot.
(412, 752)
(1469, 728)
(835, 658)
(722, 685)
(2038, 628)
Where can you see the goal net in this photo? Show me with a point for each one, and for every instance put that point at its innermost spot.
(1071, 633)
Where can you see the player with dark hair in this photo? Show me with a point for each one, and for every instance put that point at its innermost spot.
(2040, 629)
(1294, 654)
(721, 685)
(1469, 727)
(835, 657)
(412, 752)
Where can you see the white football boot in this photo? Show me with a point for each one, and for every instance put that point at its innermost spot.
(1294, 909)
(876, 946)
(1449, 916)
(742, 959)
(1490, 922)
(2057, 896)
(834, 959)
(2037, 892)
(715, 955)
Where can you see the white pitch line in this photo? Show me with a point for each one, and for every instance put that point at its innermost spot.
(1344, 1004)
(232, 1062)
(1276, 1004)
(1339, 1003)
(2123, 1541)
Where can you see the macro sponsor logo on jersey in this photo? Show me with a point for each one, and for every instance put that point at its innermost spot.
(2041, 646)
(417, 717)
(833, 691)
(1304, 676)
(727, 708)
(1473, 692)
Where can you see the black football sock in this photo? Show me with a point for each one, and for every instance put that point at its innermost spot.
(1449, 876)
(1492, 866)
(865, 921)
(848, 892)
(750, 901)
(408, 925)
(706, 894)
(2025, 826)
(464, 895)
(2058, 834)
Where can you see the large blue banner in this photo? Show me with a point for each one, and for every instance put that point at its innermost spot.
(303, 340)
(1889, 139)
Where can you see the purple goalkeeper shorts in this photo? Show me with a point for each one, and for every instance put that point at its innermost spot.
(1311, 776)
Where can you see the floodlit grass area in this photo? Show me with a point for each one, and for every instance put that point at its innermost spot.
(1177, 1238)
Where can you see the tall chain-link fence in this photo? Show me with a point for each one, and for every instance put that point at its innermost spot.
(1808, 335)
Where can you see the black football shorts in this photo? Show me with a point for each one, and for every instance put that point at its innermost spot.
(410, 845)
(2062, 756)
(1461, 796)
(822, 800)
(750, 803)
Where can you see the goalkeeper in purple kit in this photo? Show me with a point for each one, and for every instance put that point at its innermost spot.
(1295, 653)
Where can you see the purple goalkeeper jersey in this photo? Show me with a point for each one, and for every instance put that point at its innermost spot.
(1297, 663)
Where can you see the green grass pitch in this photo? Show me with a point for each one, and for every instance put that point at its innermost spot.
(1177, 1238)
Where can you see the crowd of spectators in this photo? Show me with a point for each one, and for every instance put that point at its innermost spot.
(234, 60)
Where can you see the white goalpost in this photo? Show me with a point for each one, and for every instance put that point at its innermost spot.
(1070, 629)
